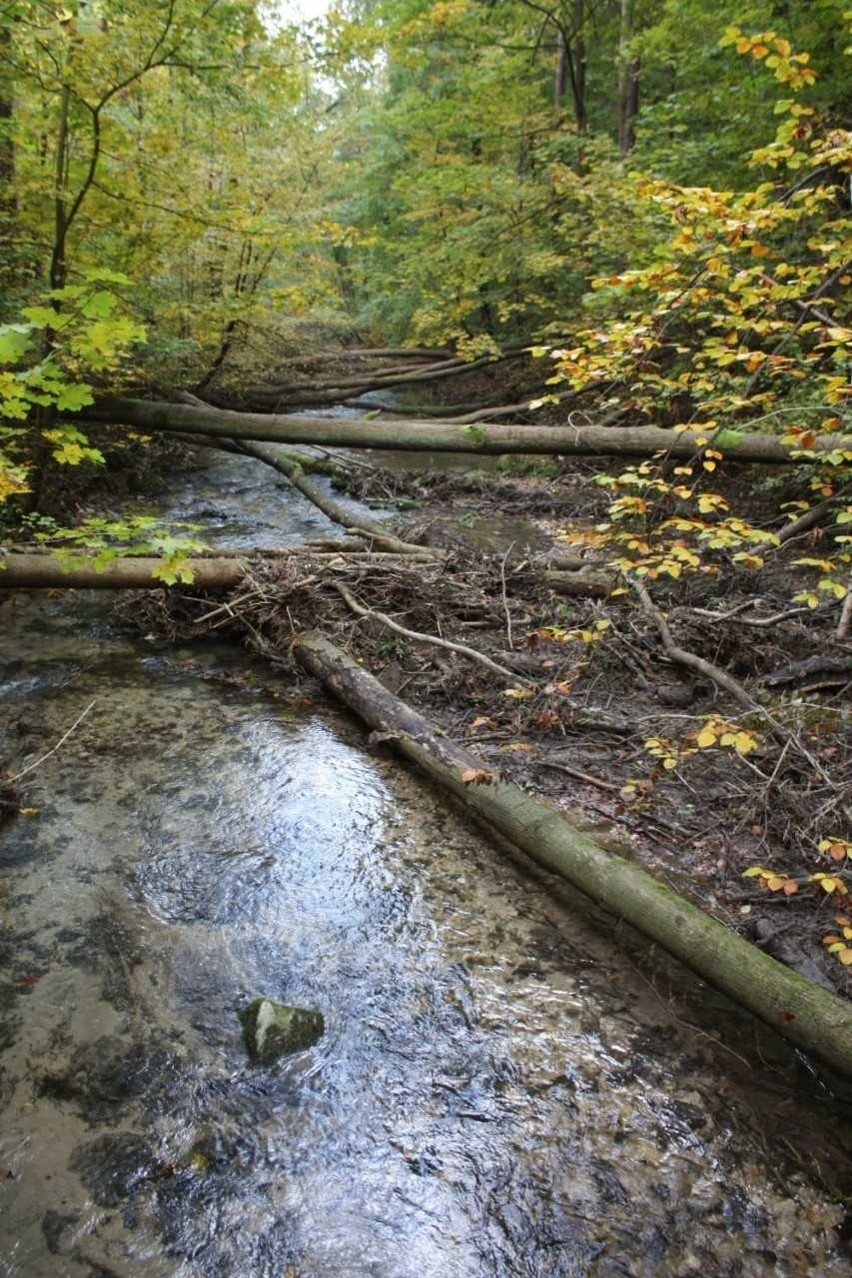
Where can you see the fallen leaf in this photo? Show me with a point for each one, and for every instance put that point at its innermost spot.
(477, 776)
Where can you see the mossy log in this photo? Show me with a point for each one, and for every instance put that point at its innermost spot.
(416, 436)
(810, 1017)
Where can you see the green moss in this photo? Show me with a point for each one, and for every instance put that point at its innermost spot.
(728, 440)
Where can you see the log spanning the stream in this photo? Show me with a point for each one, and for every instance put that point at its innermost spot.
(808, 1016)
(139, 572)
(430, 436)
(225, 571)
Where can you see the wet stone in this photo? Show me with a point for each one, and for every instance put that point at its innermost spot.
(104, 1076)
(111, 1166)
(53, 1225)
(272, 1030)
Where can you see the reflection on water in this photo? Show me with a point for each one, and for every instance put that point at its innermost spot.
(499, 1090)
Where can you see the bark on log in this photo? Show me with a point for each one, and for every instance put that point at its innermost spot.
(50, 572)
(583, 584)
(414, 436)
(808, 1016)
(29, 572)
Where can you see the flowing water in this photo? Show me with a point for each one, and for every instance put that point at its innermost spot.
(501, 1089)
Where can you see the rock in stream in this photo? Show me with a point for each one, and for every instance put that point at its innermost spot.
(272, 1030)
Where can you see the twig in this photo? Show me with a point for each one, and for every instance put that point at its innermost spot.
(689, 659)
(578, 775)
(418, 637)
(802, 523)
(723, 680)
(750, 621)
(845, 621)
(60, 742)
(506, 601)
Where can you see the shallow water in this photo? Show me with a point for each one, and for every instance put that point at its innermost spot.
(501, 1089)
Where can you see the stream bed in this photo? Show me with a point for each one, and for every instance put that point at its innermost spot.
(501, 1090)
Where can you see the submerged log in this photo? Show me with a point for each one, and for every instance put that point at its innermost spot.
(415, 436)
(808, 1016)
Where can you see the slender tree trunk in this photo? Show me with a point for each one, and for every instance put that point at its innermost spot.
(58, 262)
(628, 87)
(570, 68)
(560, 77)
(580, 110)
(10, 261)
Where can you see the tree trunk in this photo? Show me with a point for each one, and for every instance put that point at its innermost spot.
(220, 571)
(628, 81)
(58, 258)
(810, 1017)
(28, 572)
(580, 111)
(330, 507)
(413, 436)
(10, 254)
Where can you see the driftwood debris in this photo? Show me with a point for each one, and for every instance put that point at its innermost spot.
(807, 1015)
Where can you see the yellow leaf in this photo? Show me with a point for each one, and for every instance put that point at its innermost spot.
(706, 738)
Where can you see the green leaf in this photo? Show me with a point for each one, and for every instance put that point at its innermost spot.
(14, 342)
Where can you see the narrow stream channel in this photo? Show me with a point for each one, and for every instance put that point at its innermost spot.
(501, 1089)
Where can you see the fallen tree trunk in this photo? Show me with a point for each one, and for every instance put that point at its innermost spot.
(334, 510)
(137, 572)
(29, 572)
(808, 1016)
(583, 584)
(413, 436)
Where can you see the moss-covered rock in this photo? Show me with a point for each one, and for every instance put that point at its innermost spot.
(271, 1029)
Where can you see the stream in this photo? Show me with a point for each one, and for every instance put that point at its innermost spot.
(502, 1088)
